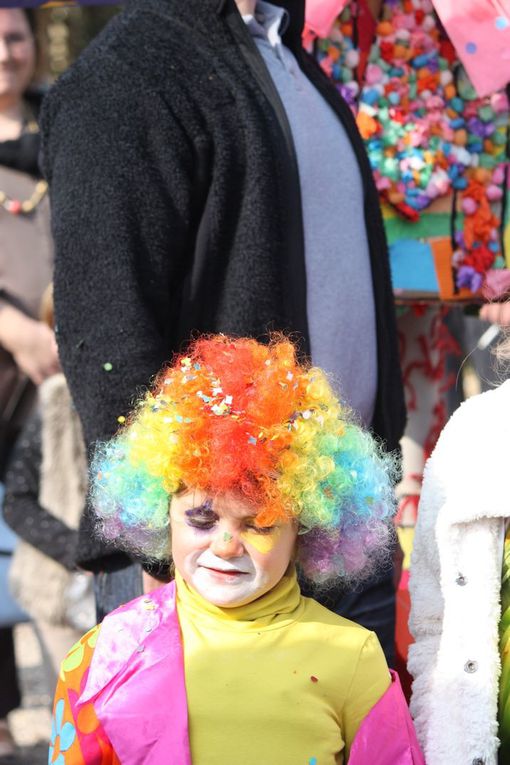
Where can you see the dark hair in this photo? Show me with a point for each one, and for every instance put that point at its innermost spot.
(31, 18)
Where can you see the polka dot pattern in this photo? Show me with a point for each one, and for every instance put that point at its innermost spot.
(77, 736)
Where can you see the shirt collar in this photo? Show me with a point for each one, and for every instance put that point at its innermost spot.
(269, 21)
(281, 605)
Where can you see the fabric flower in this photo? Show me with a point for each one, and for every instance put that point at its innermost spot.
(468, 277)
(62, 735)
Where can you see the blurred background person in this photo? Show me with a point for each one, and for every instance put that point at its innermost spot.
(45, 488)
(28, 352)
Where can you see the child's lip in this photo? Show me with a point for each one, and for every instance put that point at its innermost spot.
(225, 572)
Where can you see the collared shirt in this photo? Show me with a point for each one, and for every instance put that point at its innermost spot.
(340, 300)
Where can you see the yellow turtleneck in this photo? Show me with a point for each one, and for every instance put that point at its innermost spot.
(280, 681)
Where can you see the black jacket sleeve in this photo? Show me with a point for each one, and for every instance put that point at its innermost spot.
(22, 510)
(120, 169)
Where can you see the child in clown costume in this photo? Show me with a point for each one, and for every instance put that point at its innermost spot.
(241, 465)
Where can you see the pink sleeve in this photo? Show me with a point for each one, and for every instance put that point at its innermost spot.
(386, 736)
(320, 15)
(480, 32)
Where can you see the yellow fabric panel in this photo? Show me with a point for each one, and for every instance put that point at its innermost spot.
(406, 538)
(507, 244)
(281, 681)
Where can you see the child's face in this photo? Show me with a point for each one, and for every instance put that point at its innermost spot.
(220, 552)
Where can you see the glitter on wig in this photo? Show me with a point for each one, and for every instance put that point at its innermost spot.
(234, 415)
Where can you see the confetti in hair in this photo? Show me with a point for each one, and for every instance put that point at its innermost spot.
(235, 415)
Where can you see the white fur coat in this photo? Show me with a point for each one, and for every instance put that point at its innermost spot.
(455, 584)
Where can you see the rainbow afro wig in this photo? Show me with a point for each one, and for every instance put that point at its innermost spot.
(235, 415)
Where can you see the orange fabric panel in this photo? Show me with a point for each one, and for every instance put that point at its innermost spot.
(77, 737)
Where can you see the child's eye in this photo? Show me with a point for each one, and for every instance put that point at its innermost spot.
(201, 517)
(201, 523)
(15, 38)
(261, 529)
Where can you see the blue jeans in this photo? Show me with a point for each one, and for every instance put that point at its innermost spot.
(114, 588)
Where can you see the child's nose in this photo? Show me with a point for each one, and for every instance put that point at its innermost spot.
(227, 544)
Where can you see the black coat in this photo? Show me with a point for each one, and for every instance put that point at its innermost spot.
(176, 207)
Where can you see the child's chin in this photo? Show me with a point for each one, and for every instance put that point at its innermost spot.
(233, 602)
(228, 596)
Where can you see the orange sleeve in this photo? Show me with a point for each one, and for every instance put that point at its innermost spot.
(77, 737)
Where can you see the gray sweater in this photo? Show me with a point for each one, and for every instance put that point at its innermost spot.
(340, 300)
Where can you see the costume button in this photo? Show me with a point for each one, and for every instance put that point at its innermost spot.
(478, 761)
(470, 666)
(461, 580)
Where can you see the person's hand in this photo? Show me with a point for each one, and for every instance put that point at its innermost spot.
(31, 343)
(496, 313)
(37, 356)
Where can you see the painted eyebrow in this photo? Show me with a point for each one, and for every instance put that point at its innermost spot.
(204, 510)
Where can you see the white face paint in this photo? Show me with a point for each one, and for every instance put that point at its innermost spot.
(225, 582)
(219, 551)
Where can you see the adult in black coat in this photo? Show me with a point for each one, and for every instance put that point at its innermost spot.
(176, 209)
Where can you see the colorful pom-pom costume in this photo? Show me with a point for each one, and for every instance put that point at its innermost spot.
(278, 679)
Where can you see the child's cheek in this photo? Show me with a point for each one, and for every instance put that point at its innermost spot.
(263, 543)
(199, 538)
